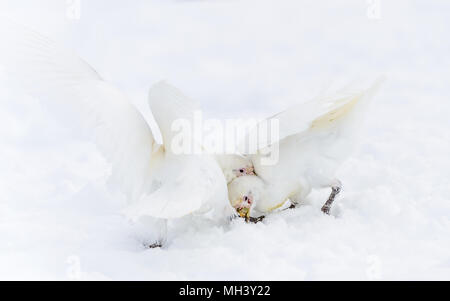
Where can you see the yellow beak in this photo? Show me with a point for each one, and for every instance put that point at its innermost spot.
(244, 212)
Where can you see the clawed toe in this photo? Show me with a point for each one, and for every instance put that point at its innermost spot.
(153, 245)
(326, 209)
(255, 220)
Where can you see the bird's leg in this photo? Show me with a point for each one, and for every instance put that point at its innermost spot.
(335, 189)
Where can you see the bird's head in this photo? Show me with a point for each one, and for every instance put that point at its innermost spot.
(247, 170)
(243, 194)
(243, 204)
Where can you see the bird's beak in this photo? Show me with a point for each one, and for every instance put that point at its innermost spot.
(244, 212)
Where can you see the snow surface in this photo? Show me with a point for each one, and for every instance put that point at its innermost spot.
(59, 219)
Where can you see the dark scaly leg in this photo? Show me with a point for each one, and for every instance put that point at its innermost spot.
(335, 189)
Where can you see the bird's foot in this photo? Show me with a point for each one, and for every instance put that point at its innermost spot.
(326, 209)
(154, 245)
(255, 220)
(248, 218)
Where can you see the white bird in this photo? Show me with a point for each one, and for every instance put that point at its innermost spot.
(234, 166)
(315, 138)
(157, 182)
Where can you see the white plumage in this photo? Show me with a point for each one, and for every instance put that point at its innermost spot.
(157, 182)
(190, 183)
(234, 165)
(315, 138)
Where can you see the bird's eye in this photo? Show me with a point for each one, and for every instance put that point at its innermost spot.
(245, 198)
(241, 170)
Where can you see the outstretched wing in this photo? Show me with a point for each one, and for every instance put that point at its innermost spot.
(190, 183)
(51, 73)
(317, 113)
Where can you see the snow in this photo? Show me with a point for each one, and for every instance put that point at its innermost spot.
(60, 220)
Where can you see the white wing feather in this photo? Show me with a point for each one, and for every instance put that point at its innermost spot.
(189, 184)
(169, 104)
(301, 117)
(52, 73)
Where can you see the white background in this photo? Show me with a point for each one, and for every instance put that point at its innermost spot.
(58, 219)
